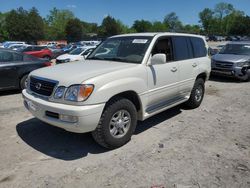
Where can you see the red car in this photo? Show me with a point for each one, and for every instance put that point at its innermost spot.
(38, 51)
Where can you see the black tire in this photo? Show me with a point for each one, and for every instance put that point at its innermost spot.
(47, 57)
(23, 82)
(102, 134)
(195, 101)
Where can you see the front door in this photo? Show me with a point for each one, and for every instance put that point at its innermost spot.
(162, 78)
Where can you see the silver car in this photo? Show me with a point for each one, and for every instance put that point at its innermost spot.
(233, 60)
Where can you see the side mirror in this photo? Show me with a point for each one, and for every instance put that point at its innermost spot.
(158, 59)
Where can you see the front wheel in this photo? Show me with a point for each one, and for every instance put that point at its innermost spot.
(117, 124)
(24, 82)
(197, 94)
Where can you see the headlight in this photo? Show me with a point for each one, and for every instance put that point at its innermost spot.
(59, 92)
(78, 93)
(242, 64)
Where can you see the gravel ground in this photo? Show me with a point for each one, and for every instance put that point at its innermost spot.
(179, 148)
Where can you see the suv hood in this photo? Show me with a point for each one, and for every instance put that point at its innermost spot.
(75, 73)
(231, 58)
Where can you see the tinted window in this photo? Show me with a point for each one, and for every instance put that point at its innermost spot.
(17, 57)
(38, 48)
(6, 56)
(199, 48)
(182, 49)
(29, 48)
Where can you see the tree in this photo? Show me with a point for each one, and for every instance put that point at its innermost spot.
(56, 23)
(109, 27)
(3, 32)
(74, 30)
(158, 26)
(172, 22)
(223, 9)
(24, 25)
(35, 25)
(206, 19)
(142, 26)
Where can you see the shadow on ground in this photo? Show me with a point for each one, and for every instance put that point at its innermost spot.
(60, 144)
(10, 92)
(225, 79)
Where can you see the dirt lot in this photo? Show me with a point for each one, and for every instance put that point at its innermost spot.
(206, 147)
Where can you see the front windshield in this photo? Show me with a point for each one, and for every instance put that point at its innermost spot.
(122, 49)
(76, 51)
(236, 49)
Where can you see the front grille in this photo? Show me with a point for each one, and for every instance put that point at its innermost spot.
(42, 86)
(223, 65)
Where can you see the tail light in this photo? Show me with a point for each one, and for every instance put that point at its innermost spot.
(47, 64)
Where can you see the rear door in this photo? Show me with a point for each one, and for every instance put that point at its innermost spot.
(188, 65)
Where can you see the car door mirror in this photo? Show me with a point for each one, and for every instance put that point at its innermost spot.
(158, 59)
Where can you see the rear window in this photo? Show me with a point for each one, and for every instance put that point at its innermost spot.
(199, 48)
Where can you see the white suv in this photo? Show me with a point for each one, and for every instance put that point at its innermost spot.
(126, 78)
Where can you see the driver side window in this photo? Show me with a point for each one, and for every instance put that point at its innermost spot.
(164, 46)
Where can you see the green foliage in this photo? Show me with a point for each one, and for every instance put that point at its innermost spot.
(224, 20)
(109, 27)
(172, 22)
(4, 35)
(24, 25)
(56, 23)
(158, 26)
(142, 26)
(74, 30)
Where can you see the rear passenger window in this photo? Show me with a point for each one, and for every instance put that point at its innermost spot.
(199, 48)
(182, 49)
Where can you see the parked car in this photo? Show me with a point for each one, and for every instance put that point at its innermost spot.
(56, 51)
(233, 60)
(69, 48)
(75, 55)
(15, 67)
(142, 75)
(17, 46)
(38, 51)
(6, 44)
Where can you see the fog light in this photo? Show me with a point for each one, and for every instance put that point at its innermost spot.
(69, 119)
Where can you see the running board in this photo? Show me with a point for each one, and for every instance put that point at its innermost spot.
(164, 105)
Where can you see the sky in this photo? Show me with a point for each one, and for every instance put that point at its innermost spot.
(128, 10)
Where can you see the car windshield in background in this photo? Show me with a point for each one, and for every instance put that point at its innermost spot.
(122, 49)
(76, 51)
(236, 49)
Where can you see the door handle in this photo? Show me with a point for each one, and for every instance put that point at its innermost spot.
(174, 69)
(194, 65)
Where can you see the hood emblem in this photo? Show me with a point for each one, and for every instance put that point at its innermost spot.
(38, 86)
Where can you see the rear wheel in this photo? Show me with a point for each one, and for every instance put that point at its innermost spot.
(24, 82)
(47, 57)
(117, 124)
(197, 94)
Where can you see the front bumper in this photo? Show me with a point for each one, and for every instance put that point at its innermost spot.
(237, 72)
(87, 117)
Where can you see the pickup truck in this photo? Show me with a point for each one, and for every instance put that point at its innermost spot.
(127, 78)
